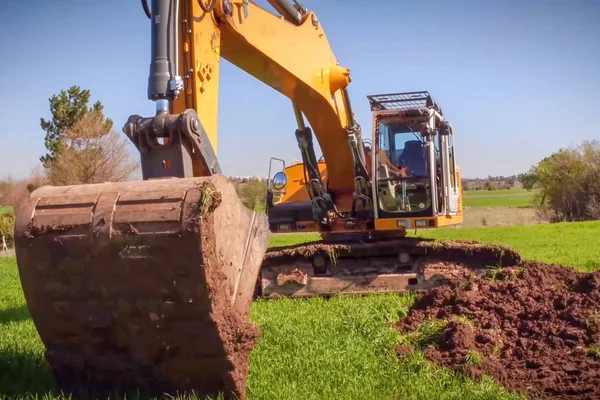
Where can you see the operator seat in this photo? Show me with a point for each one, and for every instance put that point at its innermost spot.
(415, 157)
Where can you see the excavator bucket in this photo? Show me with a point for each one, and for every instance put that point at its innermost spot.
(144, 284)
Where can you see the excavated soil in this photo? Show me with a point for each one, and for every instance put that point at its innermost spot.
(237, 334)
(535, 328)
(464, 251)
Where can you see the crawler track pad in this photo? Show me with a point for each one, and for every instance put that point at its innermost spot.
(143, 284)
(389, 265)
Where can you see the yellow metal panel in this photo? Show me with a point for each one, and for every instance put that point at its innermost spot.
(449, 220)
(387, 224)
(295, 190)
(199, 66)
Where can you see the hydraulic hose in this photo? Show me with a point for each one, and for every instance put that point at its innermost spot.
(146, 9)
(209, 8)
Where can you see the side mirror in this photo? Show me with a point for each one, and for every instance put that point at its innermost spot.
(279, 180)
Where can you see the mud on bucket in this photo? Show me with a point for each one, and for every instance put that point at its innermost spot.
(142, 285)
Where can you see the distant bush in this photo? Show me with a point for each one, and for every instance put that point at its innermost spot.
(14, 191)
(7, 226)
(252, 192)
(569, 184)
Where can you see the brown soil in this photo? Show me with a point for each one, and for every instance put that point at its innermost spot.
(449, 249)
(237, 335)
(536, 329)
(470, 254)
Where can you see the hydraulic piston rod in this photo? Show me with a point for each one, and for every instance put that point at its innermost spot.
(163, 81)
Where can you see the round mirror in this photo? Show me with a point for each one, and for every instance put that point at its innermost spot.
(279, 180)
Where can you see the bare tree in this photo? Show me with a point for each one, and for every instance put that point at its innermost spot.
(36, 179)
(91, 155)
(14, 191)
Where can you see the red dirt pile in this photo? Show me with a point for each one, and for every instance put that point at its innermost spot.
(534, 328)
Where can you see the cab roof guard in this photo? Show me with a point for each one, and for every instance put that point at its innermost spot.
(403, 101)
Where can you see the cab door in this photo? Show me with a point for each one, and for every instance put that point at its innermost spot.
(450, 180)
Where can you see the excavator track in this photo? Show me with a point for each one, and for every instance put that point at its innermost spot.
(393, 265)
(143, 284)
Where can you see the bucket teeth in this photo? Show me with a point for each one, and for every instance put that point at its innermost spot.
(143, 284)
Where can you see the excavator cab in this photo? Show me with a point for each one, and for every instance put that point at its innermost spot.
(413, 174)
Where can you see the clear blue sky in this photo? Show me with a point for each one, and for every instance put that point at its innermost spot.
(518, 79)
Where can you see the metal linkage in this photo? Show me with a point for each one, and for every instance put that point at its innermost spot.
(363, 203)
(323, 208)
(322, 203)
(185, 146)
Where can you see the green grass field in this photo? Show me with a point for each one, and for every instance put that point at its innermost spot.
(318, 349)
(6, 209)
(498, 198)
(497, 192)
(571, 244)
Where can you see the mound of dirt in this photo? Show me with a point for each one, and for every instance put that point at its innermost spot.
(534, 328)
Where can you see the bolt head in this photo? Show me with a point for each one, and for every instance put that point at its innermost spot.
(319, 261)
(404, 258)
(227, 7)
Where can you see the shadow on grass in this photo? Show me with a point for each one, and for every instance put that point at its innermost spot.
(14, 314)
(23, 375)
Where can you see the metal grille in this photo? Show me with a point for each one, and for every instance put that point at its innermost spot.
(401, 101)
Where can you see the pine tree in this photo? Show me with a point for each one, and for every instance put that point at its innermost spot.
(67, 108)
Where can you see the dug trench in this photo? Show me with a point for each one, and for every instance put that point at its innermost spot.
(533, 327)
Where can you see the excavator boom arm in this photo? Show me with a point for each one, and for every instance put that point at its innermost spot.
(291, 54)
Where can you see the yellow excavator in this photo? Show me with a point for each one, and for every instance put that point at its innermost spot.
(149, 283)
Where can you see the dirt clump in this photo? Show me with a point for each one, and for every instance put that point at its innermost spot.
(535, 328)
